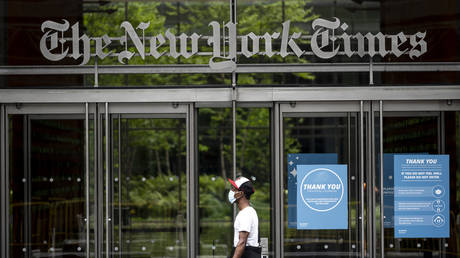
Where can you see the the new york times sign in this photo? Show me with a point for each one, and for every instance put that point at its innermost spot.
(330, 38)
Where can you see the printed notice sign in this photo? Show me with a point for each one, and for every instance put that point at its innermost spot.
(293, 160)
(421, 196)
(388, 186)
(322, 197)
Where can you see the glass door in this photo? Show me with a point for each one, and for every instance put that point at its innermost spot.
(47, 180)
(419, 222)
(147, 180)
(321, 194)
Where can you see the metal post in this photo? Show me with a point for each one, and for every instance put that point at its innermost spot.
(278, 160)
(234, 145)
(441, 133)
(348, 179)
(442, 150)
(361, 179)
(120, 243)
(87, 178)
(382, 206)
(357, 184)
(4, 182)
(234, 97)
(27, 185)
(107, 181)
(98, 234)
(96, 73)
(371, 183)
(371, 72)
(192, 218)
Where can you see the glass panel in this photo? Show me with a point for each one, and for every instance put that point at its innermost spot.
(142, 80)
(215, 166)
(452, 129)
(253, 159)
(321, 139)
(416, 78)
(47, 186)
(98, 18)
(407, 133)
(360, 17)
(149, 187)
(426, 133)
(304, 79)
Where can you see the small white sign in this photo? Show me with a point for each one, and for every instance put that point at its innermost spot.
(264, 244)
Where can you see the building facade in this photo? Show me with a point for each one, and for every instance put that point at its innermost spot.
(122, 120)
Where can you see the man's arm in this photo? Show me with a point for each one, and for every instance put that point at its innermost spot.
(243, 238)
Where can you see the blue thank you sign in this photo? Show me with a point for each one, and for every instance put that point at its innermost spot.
(421, 196)
(322, 197)
(294, 159)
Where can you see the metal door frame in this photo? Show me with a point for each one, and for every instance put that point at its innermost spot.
(153, 110)
(302, 109)
(418, 108)
(371, 118)
(97, 113)
(32, 112)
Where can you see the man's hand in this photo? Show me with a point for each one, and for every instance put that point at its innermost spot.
(241, 244)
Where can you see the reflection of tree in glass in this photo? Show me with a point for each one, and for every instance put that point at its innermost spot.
(261, 17)
(178, 17)
(189, 17)
(153, 185)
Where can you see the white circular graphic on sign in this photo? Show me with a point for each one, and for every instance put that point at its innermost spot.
(438, 191)
(438, 205)
(438, 220)
(321, 189)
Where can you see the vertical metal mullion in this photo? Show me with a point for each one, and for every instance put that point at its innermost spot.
(273, 230)
(278, 139)
(87, 178)
(27, 185)
(442, 150)
(348, 179)
(120, 249)
(4, 182)
(372, 184)
(189, 186)
(234, 146)
(382, 206)
(234, 138)
(192, 218)
(234, 97)
(96, 166)
(107, 182)
(357, 182)
(361, 178)
(112, 185)
(441, 133)
(97, 183)
(233, 19)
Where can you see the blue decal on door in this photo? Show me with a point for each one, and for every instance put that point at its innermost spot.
(322, 197)
(421, 196)
(294, 159)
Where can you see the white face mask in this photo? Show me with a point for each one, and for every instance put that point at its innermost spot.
(231, 197)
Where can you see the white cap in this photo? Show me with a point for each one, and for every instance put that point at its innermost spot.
(238, 182)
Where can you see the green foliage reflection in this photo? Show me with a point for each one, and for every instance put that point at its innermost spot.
(194, 17)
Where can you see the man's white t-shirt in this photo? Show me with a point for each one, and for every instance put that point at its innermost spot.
(247, 220)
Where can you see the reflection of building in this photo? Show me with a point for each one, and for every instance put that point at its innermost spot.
(149, 181)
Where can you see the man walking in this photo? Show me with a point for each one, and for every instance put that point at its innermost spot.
(246, 226)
